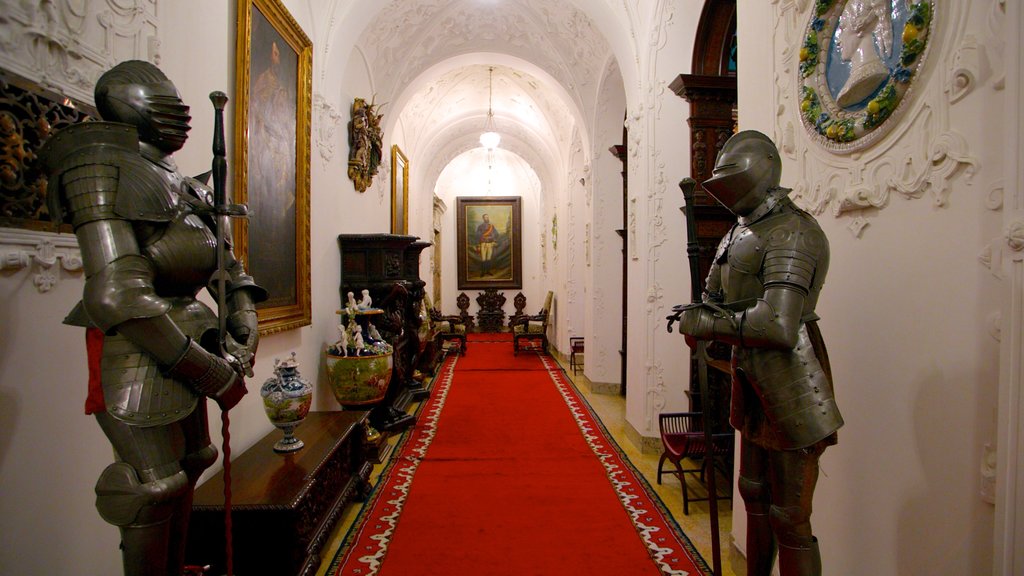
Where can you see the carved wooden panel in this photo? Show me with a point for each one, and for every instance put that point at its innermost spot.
(29, 114)
(491, 316)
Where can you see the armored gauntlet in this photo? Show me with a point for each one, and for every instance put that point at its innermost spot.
(209, 375)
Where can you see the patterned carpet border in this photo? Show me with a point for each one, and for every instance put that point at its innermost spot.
(362, 555)
(646, 509)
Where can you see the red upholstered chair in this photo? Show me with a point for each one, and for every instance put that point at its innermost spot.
(533, 328)
(683, 438)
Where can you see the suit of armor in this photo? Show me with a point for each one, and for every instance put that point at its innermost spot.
(149, 246)
(763, 287)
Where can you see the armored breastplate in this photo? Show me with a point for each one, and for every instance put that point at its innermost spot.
(179, 244)
(785, 247)
(183, 252)
(782, 398)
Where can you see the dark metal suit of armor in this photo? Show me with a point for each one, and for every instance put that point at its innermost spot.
(149, 246)
(763, 288)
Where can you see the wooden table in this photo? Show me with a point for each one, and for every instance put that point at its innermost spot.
(284, 506)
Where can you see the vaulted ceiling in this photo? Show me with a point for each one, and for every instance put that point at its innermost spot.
(433, 58)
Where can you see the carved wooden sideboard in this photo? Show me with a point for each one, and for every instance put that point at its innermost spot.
(388, 265)
(284, 506)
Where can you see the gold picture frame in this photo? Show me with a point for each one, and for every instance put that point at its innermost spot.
(399, 191)
(489, 244)
(273, 94)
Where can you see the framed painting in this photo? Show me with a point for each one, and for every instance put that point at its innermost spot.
(272, 120)
(399, 191)
(489, 242)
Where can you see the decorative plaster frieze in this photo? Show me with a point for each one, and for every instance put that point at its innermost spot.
(655, 396)
(995, 325)
(996, 193)
(991, 255)
(66, 46)
(996, 43)
(328, 121)
(1015, 239)
(44, 254)
(968, 70)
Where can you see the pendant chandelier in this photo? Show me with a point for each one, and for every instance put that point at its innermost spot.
(490, 138)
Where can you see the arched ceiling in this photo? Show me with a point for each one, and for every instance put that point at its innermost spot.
(431, 61)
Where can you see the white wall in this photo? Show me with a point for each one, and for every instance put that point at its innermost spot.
(658, 159)
(906, 313)
(603, 311)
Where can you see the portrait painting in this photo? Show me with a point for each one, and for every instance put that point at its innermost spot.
(489, 242)
(272, 159)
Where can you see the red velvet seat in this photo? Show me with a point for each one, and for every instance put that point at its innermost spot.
(682, 438)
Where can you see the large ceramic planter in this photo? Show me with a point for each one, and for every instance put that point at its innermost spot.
(286, 400)
(359, 380)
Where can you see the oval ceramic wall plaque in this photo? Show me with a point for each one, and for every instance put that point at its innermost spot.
(858, 62)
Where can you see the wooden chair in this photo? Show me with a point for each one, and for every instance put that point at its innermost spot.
(533, 327)
(682, 437)
(447, 328)
(576, 349)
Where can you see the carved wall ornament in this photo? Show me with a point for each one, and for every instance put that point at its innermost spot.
(968, 69)
(365, 141)
(857, 64)
(328, 120)
(44, 253)
(1015, 239)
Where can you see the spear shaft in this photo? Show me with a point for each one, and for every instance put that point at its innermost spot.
(687, 185)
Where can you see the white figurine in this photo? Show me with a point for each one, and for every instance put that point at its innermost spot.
(366, 303)
(357, 339)
(351, 303)
(374, 335)
(342, 343)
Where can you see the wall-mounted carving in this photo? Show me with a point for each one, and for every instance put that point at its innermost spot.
(918, 154)
(365, 143)
(857, 63)
(28, 115)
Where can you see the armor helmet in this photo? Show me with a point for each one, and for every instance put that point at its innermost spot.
(748, 167)
(138, 93)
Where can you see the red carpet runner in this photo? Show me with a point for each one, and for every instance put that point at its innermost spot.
(498, 477)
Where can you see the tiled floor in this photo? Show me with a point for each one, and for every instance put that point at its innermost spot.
(611, 409)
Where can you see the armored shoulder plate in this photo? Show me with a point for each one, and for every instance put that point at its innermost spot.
(797, 252)
(145, 191)
(79, 145)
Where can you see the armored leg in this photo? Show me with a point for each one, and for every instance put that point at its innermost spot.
(794, 475)
(200, 455)
(754, 489)
(141, 493)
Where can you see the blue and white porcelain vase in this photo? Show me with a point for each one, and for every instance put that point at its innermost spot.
(286, 400)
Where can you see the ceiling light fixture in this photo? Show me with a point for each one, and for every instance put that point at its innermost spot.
(490, 139)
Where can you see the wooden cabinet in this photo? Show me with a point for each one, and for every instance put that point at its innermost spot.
(284, 506)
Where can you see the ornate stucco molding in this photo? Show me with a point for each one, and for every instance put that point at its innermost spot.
(65, 46)
(328, 120)
(44, 254)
